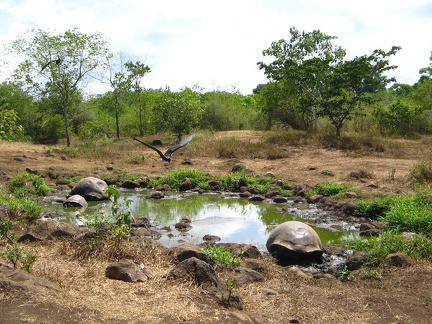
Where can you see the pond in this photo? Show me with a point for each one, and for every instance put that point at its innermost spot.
(233, 219)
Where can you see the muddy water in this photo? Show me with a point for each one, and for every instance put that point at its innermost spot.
(231, 218)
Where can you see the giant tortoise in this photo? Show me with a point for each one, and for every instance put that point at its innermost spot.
(294, 242)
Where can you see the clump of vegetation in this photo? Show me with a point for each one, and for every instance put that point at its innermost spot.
(21, 208)
(19, 257)
(411, 213)
(421, 172)
(391, 241)
(374, 208)
(109, 231)
(330, 189)
(176, 177)
(25, 183)
(220, 256)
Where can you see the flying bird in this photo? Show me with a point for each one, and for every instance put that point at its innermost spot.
(170, 151)
(58, 61)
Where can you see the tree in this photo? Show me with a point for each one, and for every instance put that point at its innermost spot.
(57, 67)
(322, 78)
(122, 77)
(178, 112)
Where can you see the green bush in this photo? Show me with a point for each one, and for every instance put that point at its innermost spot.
(375, 208)
(220, 256)
(329, 189)
(21, 208)
(391, 241)
(25, 183)
(422, 172)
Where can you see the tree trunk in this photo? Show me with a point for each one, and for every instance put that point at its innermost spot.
(66, 122)
(117, 117)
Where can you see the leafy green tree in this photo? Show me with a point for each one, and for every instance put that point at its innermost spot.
(58, 67)
(12, 99)
(122, 78)
(322, 78)
(178, 112)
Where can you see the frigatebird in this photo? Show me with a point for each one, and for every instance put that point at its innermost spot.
(58, 61)
(170, 151)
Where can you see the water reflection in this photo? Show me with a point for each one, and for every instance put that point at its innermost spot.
(229, 217)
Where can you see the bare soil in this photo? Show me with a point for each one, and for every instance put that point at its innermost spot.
(402, 295)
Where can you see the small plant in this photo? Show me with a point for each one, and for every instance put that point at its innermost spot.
(27, 183)
(220, 256)
(230, 286)
(422, 171)
(344, 274)
(329, 189)
(19, 257)
(5, 230)
(372, 274)
(392, 174)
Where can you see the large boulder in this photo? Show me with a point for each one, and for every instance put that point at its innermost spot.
(91, 188)
(294, 242)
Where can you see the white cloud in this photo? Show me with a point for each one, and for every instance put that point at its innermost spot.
(216, 44)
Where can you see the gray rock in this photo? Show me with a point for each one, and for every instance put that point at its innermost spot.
(127, 270)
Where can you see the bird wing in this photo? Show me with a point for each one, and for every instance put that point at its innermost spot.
(182, 143)
(45, 66)
(152, 147)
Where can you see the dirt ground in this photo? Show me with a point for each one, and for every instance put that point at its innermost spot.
(401, 295)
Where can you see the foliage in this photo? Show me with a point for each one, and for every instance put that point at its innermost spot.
(9, 124)
(375, 208)
(399, 117)
(19, 256)
(174, 178)
(411, 213)
(316, 71)
(122, 219)
(377, 248)
(421, 173)
(220, 256)
(21, 208)
(344, 274)
(329, 189)
(177, 112)
(25, 183)
(57, 65)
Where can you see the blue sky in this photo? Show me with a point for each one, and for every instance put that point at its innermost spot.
(216, 44)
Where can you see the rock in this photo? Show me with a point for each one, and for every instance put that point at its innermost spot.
(256, 265)
(314, 199)
(156, 195)
(272, 193)
(398, 259)
(356, 260)
(367, 229)
(250, 251)
(130, 184)
(200, 272)
(163, 187)
(215, 184)
(186, 250)
(186, 185)
(184, 224)
(256, 198)
(211, 238)
(91, 188)
(246, 275)
(280, 199)
(10, 277)
(75, 201)
(127, 270)
(46, 229)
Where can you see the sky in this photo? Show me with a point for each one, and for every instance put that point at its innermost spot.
(216, 45)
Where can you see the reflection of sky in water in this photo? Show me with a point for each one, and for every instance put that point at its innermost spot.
(232, 219)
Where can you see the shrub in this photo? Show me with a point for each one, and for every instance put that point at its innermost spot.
(390, 241)
(422, 172)
(375, 208)
(329, 189)
(219, 255)
(26, 183)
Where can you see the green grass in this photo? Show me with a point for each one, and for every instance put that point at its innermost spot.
(330, 189)
(374, 208)
(25, 183)
(20, 207)
(391, 241)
